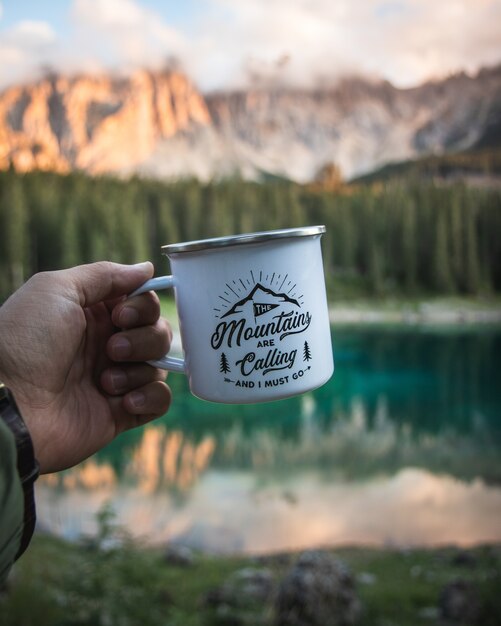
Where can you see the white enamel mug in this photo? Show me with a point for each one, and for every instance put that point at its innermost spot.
(252, 313)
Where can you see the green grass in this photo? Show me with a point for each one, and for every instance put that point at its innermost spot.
(63, 584)
(390, 306)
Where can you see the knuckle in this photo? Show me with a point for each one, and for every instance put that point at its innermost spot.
(163, 397)
(40, 280)
(154, 299)
(162, 334)
(160, 374)
(147, 304)
(152, 304)
(105, 266)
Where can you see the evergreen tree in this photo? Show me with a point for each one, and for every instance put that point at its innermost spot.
(224, 367)
(409, 247)
(14, 230)
(71, 249)
(456, 240)
(347, 243)
(472, 273)
(442, 280)
(306, 352)
(295, 212)
(192, 217)
(376, 272)
(411, 234)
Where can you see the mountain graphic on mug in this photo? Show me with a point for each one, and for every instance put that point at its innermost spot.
(260, 301)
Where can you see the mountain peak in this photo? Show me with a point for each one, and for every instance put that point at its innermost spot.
(97, 123)
(263, 301)
(156, 123)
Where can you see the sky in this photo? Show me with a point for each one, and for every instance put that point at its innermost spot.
(224, 44)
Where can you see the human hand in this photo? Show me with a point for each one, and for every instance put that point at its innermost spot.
(77, 381)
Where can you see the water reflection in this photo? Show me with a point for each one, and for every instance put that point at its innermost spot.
(430, 378)
(353, 447)
(162, 460)
(402, 445)
(237, 512)
(166, 459)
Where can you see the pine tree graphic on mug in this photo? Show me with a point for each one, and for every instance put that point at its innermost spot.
(224, 366)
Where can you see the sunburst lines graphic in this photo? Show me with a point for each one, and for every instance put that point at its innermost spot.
(239, 287)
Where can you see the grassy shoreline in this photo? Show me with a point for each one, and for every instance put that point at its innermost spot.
(431, 311)
(427, 311)
(127, 583)
(439, 312)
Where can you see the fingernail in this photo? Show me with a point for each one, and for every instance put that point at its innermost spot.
(128, 317)
(121, 348)
(138, 399)
(143, 264)
(118, 379)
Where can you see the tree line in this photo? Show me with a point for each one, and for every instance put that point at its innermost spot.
(398, 237)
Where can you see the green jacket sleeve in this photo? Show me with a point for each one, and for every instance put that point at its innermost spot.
(11, 502)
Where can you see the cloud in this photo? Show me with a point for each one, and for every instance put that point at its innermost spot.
(134, 35)
(100, 35)
(32, 34)
(406, 41)
(23, 43)
(230, 44)
(433, 39)
(110, 13)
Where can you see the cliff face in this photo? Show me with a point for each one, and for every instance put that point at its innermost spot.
(359, 124)
(96, 124)
(158, 124)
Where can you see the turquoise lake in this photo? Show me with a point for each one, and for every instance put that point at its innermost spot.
(402, 446)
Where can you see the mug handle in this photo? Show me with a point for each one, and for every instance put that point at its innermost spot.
(170, 363)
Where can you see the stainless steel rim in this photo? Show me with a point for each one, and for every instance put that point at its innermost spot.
(237, 240)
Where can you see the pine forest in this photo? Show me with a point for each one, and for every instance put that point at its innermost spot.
(398, 237)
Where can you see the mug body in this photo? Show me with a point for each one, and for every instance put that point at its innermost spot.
(253, 315)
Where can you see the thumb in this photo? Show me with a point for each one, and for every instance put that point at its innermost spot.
(104, 280)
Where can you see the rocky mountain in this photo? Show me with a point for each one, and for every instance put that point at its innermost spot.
(158, 124)
(263, 300)
(96, 124)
